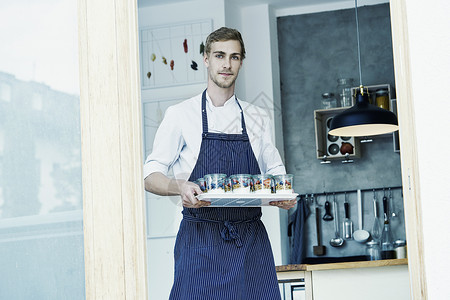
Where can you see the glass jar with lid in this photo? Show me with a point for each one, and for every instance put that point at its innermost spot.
(328, 101)
(344, 89)
(373, 250)
(382, 98)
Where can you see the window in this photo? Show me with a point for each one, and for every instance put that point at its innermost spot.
(41, 216)
(36, 101)
(5, 92)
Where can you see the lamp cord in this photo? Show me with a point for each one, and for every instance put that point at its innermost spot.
(357, 38)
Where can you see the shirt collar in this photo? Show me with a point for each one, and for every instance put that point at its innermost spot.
(227, 103)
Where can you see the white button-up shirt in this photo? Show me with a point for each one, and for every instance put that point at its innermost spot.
(179, 136)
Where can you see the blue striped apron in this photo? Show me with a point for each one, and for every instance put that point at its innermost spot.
(224, 253)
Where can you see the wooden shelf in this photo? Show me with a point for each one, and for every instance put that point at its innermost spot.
(328, 145)
(343, 265)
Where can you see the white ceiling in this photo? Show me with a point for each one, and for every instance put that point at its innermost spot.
(241, 3)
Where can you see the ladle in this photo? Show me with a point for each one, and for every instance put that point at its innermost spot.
(395, 219)
(337, 241)
(360, 235)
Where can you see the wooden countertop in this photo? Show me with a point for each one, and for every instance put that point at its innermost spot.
(343, 265)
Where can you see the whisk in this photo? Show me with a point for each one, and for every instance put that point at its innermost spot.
(376, 227)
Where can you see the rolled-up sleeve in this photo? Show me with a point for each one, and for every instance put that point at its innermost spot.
(167, 145)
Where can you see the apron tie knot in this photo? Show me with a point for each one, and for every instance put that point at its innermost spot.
(229, 233)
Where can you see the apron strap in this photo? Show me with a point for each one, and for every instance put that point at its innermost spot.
(228, 231)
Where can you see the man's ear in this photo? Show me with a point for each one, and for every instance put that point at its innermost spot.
(205, 60)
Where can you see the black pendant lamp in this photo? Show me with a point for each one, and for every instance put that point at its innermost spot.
(363, 119)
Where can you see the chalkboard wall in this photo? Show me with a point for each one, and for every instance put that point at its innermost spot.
(314, 51)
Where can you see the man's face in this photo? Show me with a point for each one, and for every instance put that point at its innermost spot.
(224, 62)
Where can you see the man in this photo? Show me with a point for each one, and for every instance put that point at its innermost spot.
(220, 253)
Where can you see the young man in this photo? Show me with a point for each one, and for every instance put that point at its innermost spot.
(220, 253)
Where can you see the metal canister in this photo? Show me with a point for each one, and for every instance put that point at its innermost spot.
(382, 98)
(400, 248)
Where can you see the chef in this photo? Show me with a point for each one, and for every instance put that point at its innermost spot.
(220, 253)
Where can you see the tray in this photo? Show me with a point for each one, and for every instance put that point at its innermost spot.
(240, 200)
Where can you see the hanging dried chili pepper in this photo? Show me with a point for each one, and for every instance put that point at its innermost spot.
(153, 57)
(194, 66)
(202, 48)
(172, 63)
(185, 46)
(149, 74)
(164, 60)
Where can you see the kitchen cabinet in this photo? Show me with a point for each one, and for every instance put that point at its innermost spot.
(382, 279)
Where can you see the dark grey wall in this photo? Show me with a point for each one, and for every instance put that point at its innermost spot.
(315, 50)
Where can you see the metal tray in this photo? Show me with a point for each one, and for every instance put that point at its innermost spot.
(240, 200)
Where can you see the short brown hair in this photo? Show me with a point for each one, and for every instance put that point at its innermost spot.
(224, 34)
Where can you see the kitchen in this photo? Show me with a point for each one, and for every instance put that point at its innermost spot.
(115, 259)
(297, 140)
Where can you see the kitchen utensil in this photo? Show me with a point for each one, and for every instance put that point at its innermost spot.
(387, 246)
(385, 207)
(360, 235)
(318, 250)
(337, 241)
(347, 224)
(376, 227)
(327, 216)
(394, 218)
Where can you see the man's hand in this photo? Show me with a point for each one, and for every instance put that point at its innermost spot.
(285, 204)
(160, 184)
(188, 192)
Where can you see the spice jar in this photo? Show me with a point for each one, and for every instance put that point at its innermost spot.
(344, 89)
(328, 101)
(382, 98)
(373, 250)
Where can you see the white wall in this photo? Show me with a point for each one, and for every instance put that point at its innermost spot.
(429, 37)
(169, 14)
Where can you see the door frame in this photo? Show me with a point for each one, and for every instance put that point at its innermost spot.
(113, 191)
(408, 149)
